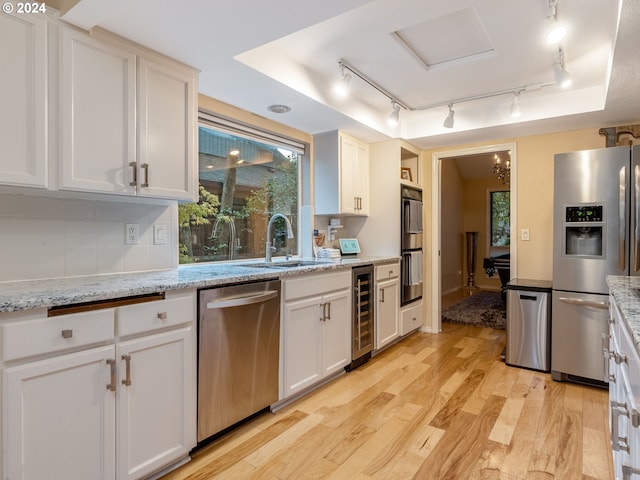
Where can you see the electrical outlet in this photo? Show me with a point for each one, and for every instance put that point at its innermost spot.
(131, 234)
(159, 234)
(525, 234)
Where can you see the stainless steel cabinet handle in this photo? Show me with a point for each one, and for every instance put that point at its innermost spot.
(67, 333)
(127, 362)
(616, 357)
(145, 166)
(328, 315)
(618, 443)
(134, 182)
(162, 315)
(382, 295)
(112, 365)
(585, 303)
(628, 470)
(241, 301)
(324, 312)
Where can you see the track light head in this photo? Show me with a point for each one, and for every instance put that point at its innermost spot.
(394, 117)
(448, 122)
(514, 111)
(562, 77)
(341, 87)
(555, 30)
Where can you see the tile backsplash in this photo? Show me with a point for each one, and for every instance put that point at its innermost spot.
(44, 237)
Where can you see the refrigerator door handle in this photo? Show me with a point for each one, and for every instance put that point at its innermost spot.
(585, 303)
(622, 223)
(636, 214)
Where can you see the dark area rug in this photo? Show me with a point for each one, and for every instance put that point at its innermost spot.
(483, 309)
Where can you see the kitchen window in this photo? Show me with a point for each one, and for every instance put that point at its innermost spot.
(245, 176)
(500, 218)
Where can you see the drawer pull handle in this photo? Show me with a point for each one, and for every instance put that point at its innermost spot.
(67, 333)
(112, 365)
(162, 315)
(127, 362)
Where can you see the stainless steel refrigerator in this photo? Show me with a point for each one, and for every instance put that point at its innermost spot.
(595, 222)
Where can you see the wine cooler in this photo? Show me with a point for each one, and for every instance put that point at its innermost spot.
(363, 316)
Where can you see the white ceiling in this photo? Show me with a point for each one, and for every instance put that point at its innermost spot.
(255, 54)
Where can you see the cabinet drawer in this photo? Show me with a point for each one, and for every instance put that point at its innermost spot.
(316, 284)
(44, 335)
(411, 319)
(147, 317)
(384, 272)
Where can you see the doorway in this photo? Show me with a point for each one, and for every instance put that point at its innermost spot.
(441, 224)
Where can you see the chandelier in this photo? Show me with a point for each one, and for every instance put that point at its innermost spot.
(502, 169)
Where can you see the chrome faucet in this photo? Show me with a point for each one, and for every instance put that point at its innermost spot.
(269, 251)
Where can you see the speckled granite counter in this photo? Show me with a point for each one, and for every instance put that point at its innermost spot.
(622, 290)
(66, 291)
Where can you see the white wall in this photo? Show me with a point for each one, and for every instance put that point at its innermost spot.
(44, 237)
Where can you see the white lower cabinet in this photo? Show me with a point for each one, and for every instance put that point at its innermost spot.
(411, 317)
(624, 393)
(122, 410)
(154, 408)
(316, 329)
(387, 304)
(59, 418)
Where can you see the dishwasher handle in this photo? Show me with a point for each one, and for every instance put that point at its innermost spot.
(585, 303)
(226, 302)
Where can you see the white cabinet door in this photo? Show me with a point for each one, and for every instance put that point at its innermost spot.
(156, 402)
(387, 309)
(301, 350)
(166, 131)
(97, 102)
(361, 179)
(59, 418)
(354, 176)
(23, 100)
(336, 331)
(348, 163)
(341, 174)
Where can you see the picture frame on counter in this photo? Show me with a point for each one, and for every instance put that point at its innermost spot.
(405, 174)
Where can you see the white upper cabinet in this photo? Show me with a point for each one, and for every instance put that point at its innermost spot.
(341, 174)
(128, 119)
(97, 103)
(23, 97)
(166, 126)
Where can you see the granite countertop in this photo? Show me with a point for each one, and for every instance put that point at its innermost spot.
(25, 295)
(622, 289)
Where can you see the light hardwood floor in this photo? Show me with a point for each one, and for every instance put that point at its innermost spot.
(430, 407)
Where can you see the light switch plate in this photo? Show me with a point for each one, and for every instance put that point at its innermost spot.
(525, 234)
(131, 234)
(159, 234)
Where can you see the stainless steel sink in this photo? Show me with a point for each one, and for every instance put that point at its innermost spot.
(284, 264)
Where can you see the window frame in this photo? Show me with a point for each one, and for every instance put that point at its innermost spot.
(264, 136)
(494, 250)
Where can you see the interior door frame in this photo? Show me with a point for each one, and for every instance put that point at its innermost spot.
(436, 216)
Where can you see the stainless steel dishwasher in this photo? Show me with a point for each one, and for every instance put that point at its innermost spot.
(238, 353)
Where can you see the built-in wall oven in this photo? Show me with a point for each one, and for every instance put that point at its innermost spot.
(411, 244)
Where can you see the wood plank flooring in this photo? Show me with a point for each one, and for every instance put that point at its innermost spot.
(430, 407)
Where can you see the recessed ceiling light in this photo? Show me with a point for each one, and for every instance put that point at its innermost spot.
(277, 108)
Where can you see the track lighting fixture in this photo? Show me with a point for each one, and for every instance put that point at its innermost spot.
(448, 122)
(394, 117)
(562, 77)
(514, 111)
(341, 87)
(555, 31)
